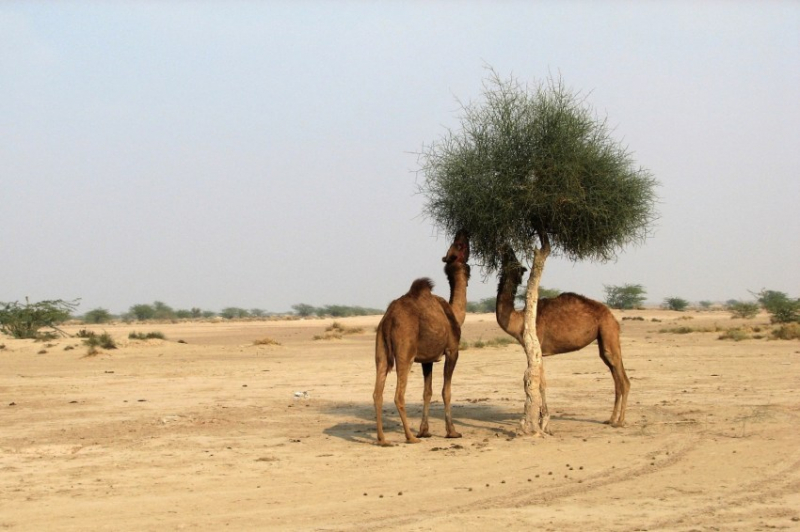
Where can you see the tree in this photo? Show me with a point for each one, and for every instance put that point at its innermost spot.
(625, 297)
(162, 311)
(303, 310)
(483, 306)
(234, 312)
(142, 312)
(533, 170)
(98, 315)
(781, 307)
(742, 309)
(24, 321)
(675, 303)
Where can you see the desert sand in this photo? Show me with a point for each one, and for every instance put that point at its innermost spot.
(220, 434)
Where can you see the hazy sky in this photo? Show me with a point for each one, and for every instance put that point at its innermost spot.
(262, 154)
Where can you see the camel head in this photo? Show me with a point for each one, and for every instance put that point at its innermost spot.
(459, 249)
(510, 268)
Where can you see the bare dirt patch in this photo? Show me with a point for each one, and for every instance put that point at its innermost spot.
(221, 431)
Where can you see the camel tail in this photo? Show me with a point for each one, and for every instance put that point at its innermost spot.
(383, 348)
(420, 287)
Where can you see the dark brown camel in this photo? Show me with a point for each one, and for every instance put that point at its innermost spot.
(422, 327)
(564, 324)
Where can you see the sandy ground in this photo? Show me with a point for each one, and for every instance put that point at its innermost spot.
(209, 434)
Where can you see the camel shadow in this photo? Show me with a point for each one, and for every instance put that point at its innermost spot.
(493, 420)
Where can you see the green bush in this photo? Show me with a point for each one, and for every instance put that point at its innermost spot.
(24, 321)
(98, 315)
(741, 309)
(781, 307)
(230, 313)
(675, 303)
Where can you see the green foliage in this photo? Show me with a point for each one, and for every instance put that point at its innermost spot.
(626, 297)
(24, 321)
(534, 162)
(741, 309)
(334, 311)
(162, 311)
(483, 306)
(705, 305)
(675, 303)
(781, 307)
(98, 315)
(257, 312)
(142, 312)
(231, 313)
(133, 335)
(304, 310)
(343, 311)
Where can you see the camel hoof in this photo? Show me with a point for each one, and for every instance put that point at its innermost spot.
(425, 434)
(412, 439)
(618, 424)
(383, 443)
(453, 435)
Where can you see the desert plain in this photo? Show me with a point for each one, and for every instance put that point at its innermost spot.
(209, 430)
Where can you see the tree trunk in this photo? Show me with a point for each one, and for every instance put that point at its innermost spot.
(536, 417)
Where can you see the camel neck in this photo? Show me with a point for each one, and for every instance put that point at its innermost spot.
(458, 277)
(508, 317)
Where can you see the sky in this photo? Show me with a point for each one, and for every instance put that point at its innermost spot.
(263, 154)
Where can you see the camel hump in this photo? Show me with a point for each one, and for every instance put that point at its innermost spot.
(420, 287)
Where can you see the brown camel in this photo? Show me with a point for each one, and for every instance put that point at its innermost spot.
(422, 327)
(564, 324)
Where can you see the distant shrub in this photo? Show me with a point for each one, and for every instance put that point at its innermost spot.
(736, 334)
(741, 309)
(678, 330)
(230, 313)
(632, 318)
(330, 335)
(483, 306)
(499, 341)
(266, 341)
(104, 341)
(133, 335)
(705, 305)
(787, 331)
(338, 327)
(84, 333)
(98, 315)
(675, 303)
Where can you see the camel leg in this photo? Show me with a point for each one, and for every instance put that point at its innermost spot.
(611, 354)
(544, 413)
(449, 368)
(377, 397)
(403, 369)
(427, 373)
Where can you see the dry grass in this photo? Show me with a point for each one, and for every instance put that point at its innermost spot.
(266, 341)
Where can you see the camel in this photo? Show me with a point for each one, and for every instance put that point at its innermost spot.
(422, 327)
(565, 324)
